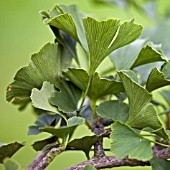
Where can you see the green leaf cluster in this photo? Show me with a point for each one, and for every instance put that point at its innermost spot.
(58, 87)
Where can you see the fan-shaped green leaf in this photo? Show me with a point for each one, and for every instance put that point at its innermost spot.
(40, 97)
(65, 131)
(137, 95)
(74, 11)
(135, 54)
(97, 45)
(126, 142)
(44, 66)
(127, 33)
(79, 77)
(65, 22)
(98, 87)
(83, 144)
(67, 98)
(9, 149)
(11, 165)
(43, 121)
(101, 87)
(156, 80)
(114, 110)
(75, 18)
(148, 55)
(159, 164)
(141, 110)
(39, 145)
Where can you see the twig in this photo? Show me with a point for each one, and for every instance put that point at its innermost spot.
(111, 161)
(98, 129)
(44, 159)
(108, 162)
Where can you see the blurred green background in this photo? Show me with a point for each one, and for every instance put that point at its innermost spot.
(23, 33)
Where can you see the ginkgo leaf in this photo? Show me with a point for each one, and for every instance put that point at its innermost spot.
(156, 79)
(135, 54)
(84, 144)
(65, 22)
(65, 131)
(138, 96)
(67, 98)
(127, 33)
(148, 55)
(124, 58)
(101, 87)
(41, 144)
(114, 110)
(98, 87)
(9, 149)
(141, 110)
(72, 25)
(79, 77)
(127, 142)
(42, 121)
(159, 164)
(40, 98)
(97, 45)
(44, 66)
(74, 11)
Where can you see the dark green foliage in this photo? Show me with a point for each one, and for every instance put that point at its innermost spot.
(9, 150)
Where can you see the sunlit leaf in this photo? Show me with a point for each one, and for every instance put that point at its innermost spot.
(141, 110)
(114, 110)
(126, 142)
(40, 98)
(74, 11)
(44, 66)
(159, 164)
(156, 80)
(132, 75)
(83, 144)
(11, 165)
(65, 22)
(127, 33)
(98, 46)
(9, 149)
(67, 98)
(148, 55)
(43, 121)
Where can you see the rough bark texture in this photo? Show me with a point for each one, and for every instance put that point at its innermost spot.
(111, 161)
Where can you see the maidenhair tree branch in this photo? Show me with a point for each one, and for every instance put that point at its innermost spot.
(44, 159)
(111, 161)
(98, 129)
(108, 162)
